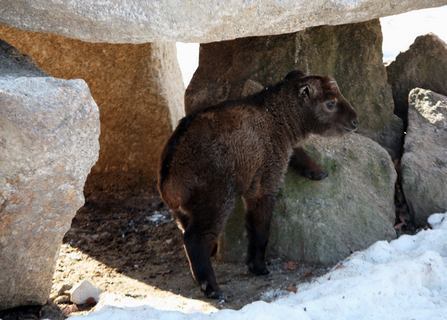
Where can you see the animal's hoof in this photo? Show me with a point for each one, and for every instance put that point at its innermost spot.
(212, 292)
(315, 175)
(216, 295)
(258, 270)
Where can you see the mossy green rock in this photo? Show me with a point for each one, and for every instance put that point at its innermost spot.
(324, 221)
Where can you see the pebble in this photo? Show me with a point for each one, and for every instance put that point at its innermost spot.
(84, 292)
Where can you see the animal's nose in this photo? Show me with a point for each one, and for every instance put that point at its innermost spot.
(355, 123)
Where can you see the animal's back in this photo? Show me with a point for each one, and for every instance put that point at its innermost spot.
(211, 148)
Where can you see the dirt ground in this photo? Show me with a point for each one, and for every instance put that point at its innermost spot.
(131, 247)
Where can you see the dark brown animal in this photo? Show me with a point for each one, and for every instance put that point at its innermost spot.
(242, 147)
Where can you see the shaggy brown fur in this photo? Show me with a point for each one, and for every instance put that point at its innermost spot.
(242, 147)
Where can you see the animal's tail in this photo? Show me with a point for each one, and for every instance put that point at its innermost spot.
(174, 195)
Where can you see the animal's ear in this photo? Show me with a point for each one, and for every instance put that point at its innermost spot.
(332, 85)
(305, 91)
(295, 74)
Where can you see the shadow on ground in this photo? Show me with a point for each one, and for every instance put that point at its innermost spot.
(48, 311)
(129, 245)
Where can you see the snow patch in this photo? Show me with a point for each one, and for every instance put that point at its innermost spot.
(438, 221)
(159, 217)
(402, 279)
(273, 294)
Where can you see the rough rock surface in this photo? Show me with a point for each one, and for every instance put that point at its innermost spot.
(49, 131)
(139, 92)
(138, 21)
(341, 51)
(424, 162)
(424, 65)
(324, 221)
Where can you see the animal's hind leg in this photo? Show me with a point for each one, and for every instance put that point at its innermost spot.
(258, 217)
(199, 247)
(182, 220)
(200, 240)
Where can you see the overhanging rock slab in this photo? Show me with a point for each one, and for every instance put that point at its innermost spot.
(138, 21)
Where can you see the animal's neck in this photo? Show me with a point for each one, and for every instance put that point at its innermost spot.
(291, 121)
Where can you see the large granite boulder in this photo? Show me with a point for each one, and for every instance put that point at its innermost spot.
(49, 131)
(137, 21)
(351, 53)
(424, 162)
(324, 221)
(139, 92)
(424, 65)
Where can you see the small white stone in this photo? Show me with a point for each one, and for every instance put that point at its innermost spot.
(83, 291)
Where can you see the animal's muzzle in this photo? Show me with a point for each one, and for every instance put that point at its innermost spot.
(353, 126)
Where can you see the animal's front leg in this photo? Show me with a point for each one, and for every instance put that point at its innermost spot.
(258, 216)
(307, 167)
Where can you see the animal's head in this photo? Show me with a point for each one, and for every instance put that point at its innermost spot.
(325, 107)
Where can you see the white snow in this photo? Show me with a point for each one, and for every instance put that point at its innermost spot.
(402, 279)
(399, 31)
(158, 217)
(273, 294)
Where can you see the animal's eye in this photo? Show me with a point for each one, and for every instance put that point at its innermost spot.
(304, 91)
(330, 105)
